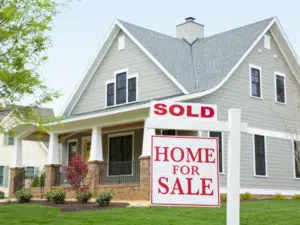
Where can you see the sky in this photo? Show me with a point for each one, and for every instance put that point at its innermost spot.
(79, 29)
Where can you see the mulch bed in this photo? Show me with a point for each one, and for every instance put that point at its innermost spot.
(74, 206)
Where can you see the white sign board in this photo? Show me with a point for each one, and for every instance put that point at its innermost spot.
(178, 110)
(185, 171)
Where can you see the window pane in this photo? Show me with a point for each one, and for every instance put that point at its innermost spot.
(297, 155)
(110, 94)
(219, 136)
(255, 82)
(121, 88)
(1, 175)
(280, 89)
(260, 162)
(132, 89)
(29, 172)
(11, 140)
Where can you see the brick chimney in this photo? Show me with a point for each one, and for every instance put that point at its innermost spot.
(190, 30)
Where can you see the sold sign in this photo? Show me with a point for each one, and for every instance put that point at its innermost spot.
(184, 171)
(169, 110)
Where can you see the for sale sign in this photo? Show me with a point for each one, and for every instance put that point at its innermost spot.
(185, 171)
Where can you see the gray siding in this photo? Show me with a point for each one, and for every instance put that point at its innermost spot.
(152, 82)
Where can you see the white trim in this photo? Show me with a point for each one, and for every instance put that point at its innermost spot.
(121, 134)
(136, 76)
(121, 42)
(267, 41)
(252, 66)
(294, 164)
(44, 147)
(169, 75)
(273, 133)
(257, 191)
(284, 86)
(222, 141)
(254, 161)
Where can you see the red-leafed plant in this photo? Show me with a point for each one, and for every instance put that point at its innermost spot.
(76, 174)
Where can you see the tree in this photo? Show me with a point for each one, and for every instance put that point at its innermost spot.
(23, 41)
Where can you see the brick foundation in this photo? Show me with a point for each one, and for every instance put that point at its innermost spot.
(120, 191)
(145, 178)
(52, 176)
(16, 180)
(94, 174)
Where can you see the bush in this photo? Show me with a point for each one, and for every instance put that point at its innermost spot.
(2, 195)
(35, 181)
(83, 196)
(246, 196)
(279, 197)
(223, 197)
(57, 197)
(296, 196)
(42, 180)
(23, 195)
(104, 199)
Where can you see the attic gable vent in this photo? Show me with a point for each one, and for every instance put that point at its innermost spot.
(121, 42)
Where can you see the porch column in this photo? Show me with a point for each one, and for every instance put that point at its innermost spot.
(16, 179)
(145, 163)
(52, 177)
(95, 163)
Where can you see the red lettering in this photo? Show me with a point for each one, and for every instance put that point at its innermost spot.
(173, 111)
(160, 109)
(206, 186)
(175, 169)
(177, 187)
(189, 186)
(192, 156)
(209, 155)
(190, 112)
(195, 170)
(163, 185)
(207, 112)
(164, 153)
(173, 154)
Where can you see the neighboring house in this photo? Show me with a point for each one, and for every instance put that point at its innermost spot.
(253, 68)
(34, 155)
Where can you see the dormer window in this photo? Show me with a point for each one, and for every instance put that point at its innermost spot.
(122, 89)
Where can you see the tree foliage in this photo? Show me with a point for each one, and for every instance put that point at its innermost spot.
(24, 25)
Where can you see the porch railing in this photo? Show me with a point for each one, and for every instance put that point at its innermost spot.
(120, 172)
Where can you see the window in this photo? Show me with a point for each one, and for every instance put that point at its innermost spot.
(121, 42)
(132, 89)
(168, 132)
(255, 82)
(267, 42)
(110, 94)
(1, 175)
(29, 172)
(280, 88)
(297, 158)
(120, 155)
(219, 136)
(260, 155)
(122, 90)
(9, 140)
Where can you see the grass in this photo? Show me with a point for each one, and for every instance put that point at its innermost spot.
(271, 212)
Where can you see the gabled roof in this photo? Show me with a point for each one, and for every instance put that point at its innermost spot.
(199, 68)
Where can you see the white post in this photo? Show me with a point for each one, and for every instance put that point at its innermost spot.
(148, 132)
(233, 177)
(96, 153)
(53, 152)
(202, 133)
(17, 154)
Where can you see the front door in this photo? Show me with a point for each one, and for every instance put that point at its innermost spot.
(86, 148)
(72, 149)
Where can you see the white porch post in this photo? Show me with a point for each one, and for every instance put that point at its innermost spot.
(53, 152)
(17, 154)
(233, 178)
(202, 133)
(148, 132)
(96, 153)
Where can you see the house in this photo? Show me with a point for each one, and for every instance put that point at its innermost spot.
(253, 68)
(34, 154)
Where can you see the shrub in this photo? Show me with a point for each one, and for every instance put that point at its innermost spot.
(223, 197)
(35, 181)
(42, 180)
(83, 196)
(296, 196)
(2, 195)
(23, 195)
(279, 197)
(246, 196)
(57, 197)
(104, 199)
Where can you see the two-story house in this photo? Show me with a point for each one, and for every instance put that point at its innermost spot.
(253, 68)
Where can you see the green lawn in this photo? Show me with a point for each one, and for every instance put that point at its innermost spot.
(252, 213)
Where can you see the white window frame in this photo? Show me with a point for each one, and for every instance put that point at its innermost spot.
(266, 157)
(222, 141)
(250, 81)
(294, 163)
(114, 80)
(121, 42)
(109, 136)
(267, 41)
(284, 86)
